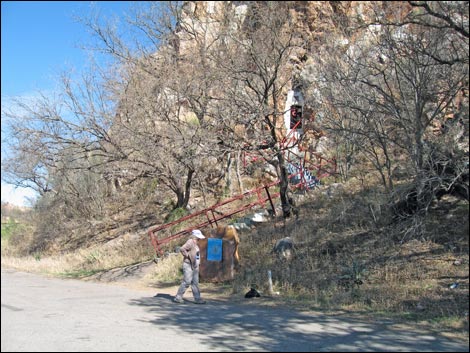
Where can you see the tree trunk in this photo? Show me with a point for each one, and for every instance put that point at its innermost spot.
(284, 186)
(183, 195)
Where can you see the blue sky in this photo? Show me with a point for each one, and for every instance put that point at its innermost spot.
(40, 39)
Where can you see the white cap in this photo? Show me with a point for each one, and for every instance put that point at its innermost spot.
(198, 234)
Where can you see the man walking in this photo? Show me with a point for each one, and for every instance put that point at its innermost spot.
(191, 261)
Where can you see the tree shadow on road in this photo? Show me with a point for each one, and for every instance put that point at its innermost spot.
(250, 326)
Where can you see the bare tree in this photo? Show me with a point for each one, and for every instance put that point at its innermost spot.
(252, 57)
(153, 134)
(56, 139)
(403, 76)
(232, 71)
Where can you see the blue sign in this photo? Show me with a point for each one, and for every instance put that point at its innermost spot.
(214, 249)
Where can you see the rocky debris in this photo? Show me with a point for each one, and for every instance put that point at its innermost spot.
(284, 248)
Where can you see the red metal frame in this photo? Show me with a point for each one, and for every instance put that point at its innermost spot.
(213, 214)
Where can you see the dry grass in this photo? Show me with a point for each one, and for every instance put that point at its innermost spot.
(169, 270)
(343, 238)
(82, 262)
(347, 239)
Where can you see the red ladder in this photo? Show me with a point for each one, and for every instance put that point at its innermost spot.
(211, 215)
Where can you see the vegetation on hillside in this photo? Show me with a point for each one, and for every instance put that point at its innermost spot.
(350, 254)
(163, 131)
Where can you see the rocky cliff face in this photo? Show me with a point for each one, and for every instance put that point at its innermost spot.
(318, 25)
(319, 28)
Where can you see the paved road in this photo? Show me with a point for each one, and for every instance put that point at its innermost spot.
(48, 314)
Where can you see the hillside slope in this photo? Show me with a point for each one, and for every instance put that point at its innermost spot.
(348, 255)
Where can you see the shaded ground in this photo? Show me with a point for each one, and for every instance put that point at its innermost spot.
(49, 314)
(136, 277)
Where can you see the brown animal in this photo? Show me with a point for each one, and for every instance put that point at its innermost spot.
(229, 233)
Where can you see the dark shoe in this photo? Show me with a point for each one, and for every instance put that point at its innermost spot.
(178, 300)
(199, 301)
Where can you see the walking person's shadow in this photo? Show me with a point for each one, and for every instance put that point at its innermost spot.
(164, 296)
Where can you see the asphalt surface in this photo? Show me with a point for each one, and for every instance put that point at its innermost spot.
(43, 314)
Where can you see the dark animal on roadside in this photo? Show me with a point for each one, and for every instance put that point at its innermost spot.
(252, 293)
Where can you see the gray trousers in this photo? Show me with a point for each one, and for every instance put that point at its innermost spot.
(190, 278)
